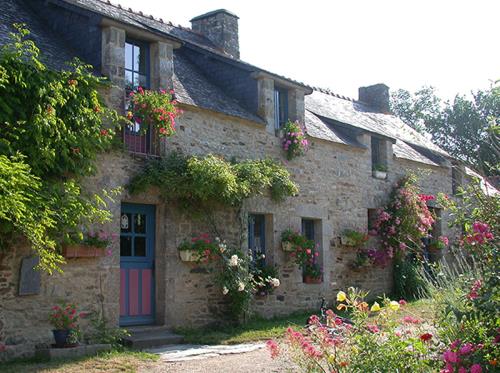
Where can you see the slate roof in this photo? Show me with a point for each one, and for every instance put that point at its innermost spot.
(409, 144)
(55, 53)
(192, 88)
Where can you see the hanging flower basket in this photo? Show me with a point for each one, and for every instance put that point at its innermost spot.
(287, 246)
(83, 251)
(189, 255)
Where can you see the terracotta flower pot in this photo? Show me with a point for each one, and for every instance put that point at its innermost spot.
(83, 251)
(312, 280)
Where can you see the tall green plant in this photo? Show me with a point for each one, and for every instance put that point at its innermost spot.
(52, 126)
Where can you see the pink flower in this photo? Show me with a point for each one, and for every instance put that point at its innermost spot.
(373, 328)
(450, 357)
(273, 348)
(402, 302)
(476, 368)
(466, 349)
(462, 370)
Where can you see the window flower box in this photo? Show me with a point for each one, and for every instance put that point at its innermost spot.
(83, 251)
(353, 238)
(382, 175)
(189, 255)
(287, 246)
(312, 280)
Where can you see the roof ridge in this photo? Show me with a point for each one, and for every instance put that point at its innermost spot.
(150, 16)
(329, 92)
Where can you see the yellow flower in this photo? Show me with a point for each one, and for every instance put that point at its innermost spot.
(341, 296)
(394, 305)
(375, 307)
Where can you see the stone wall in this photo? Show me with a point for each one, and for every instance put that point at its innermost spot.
(336, 189)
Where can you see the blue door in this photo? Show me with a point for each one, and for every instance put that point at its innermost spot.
(137, 242)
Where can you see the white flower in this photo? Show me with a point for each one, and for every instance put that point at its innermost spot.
(241, 286)
(222, 248)
(275, 282)
(233, 262)
(225, 290)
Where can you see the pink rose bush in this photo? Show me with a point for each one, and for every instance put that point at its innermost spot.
(294, 140)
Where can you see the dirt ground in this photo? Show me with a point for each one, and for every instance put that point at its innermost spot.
(254, 361)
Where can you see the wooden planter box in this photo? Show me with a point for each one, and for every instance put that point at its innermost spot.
(287, 246)
(312, 280)
(83, 251)
(382, 175)
(188, 255)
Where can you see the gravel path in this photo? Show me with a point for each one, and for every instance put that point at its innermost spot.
(246, 362)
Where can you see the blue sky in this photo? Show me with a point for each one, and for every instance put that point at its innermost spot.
(341, 45)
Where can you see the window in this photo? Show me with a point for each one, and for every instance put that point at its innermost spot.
(280, 107)
(456, 179)
(136, 65)
(372, 218)
(257, 237)
(137, 75)
(379, 157)
(308, 229)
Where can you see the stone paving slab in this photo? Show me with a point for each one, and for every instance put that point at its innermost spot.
(197, 352)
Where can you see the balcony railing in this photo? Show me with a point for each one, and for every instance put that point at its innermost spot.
(145, 144)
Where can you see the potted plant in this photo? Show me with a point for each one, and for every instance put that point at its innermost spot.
(288, 238)
(380, 171)
(312, 273)
(362, 260)
(294, 141)
(200, 249)
(265, 278)
(64, 319)
(90, 245)
(353, 238)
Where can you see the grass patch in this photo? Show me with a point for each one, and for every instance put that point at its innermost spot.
(112, 361)
(256, 329)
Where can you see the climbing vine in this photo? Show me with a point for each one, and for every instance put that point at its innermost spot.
(199, 184)
(401, 226)
(52, 126)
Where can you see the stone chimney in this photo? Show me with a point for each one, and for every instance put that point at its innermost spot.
(221, 27)
(376, 96)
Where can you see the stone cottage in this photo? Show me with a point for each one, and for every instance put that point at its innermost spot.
(231, 108)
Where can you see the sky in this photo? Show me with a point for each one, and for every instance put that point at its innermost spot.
(452, 45)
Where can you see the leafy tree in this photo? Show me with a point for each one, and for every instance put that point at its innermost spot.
(466, 128)
(52, 125)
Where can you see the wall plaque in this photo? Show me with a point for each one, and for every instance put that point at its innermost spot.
(29, 280)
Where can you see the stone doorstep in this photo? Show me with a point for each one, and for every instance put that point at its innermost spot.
(151, 336)
(72, 352)
(197, 352)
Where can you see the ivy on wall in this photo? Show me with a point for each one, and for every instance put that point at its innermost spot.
(52, 126)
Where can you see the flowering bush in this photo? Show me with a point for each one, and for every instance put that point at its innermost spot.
(375, 341)
(265, 278)
(156, 109)
(294, 140)
(65, 317)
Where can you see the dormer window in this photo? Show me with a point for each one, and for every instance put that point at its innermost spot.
(280, 107)
(136, 64)
(379, 157)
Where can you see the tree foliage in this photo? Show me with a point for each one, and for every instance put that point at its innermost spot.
(52, 125)
(467, 128)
